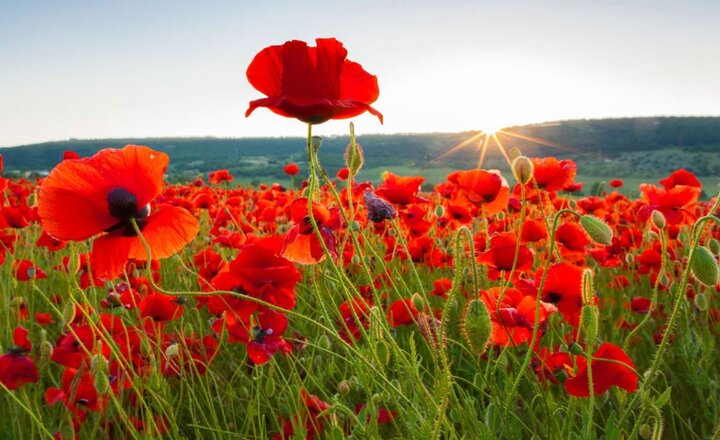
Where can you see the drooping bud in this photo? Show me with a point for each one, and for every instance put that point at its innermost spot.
(658, 219)
(701, 302)
(354, 154)
(68, 313)
(596, 229)
(705, 267)
(46, 350)
(714, 246)
(439, 211)
(378, 209)
(576, 349)
(172, 350)
(522, 169)
(476, 326)
(344, 387)
(269, 386)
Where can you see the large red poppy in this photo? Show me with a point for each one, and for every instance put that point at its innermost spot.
(84, 197)
(312, 84)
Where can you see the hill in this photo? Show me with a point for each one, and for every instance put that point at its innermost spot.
(624, 147)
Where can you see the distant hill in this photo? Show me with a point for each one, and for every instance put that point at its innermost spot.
(624, 147)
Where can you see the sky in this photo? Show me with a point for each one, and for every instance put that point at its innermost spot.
(149, 68)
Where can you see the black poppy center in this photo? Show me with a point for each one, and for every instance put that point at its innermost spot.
(123, 205)
(553, 297)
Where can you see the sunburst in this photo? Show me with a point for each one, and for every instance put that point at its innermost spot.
(491, 136)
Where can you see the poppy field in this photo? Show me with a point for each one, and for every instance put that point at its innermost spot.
(487, 306)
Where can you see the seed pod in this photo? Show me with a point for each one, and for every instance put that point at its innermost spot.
(705, 267)
(476, 326)
(596, 229)
(316, 142)
(354, 158)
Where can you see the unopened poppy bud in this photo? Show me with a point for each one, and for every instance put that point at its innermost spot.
(515, 153)
(378, 209)
(596, 229)
(344, 387)
(652, 236)
(576, 349)
(355, 226)
(572, 204)
(430, 327)
(561, 375)
(172, 350)
(439, 211)
(418, 302)
(645, 431)
(658, 219)
(522, 169)
(354, 155)
(714, 246)
(701, 302)
(476, 326)
(500, 215)
(589, 321)
(355, 259)
(705, 267)
(68, 313)
(269, 386)
(383, 352)
(113, 299)
(46, 350)
(316, 142)
(588, 291)
(629, 258)
(324, 342)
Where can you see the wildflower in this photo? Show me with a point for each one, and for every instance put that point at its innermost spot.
(16, 369)
(82, 198)
(312, 84)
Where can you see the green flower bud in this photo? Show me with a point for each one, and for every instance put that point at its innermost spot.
(705, 267)
(476, 326)
(596, 229)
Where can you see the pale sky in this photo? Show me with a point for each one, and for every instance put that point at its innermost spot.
(140, 68)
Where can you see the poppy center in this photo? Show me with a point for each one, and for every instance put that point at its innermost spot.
(123, 205)
(553, 297)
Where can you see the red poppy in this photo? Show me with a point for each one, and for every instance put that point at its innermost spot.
(563, 287)
(160, 307)
(84, 197)
(402, 312)
(291, 169)
(16, 369)
(25, 270)
(302, 245)
(610, 366)
(312, 84)
(513, 317)
(616, 183)
(261, 272)
(78, 393)
(680, 177)
(501, 256)
(675, 203)
(553, 175)
(400, 190)
(486, 188)
(267, 337)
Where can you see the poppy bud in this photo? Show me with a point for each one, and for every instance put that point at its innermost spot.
(269, 386)
(589, 321)
(324, 342)
(476, 326)
(378, 209)
(705, 267)
(629, 258)
(658, 219)
(714, 246)
(316, 142)
(344, 387)
(522, 169)
(514, 153)
(701, 302)
(355, 226)
(355, 259)
(46, 350)
(596, 229)
(418, 302)
(576, 349)
(645, 431)
(561, 375)
(68, 313)
(429, 327)
(354, 154)
(383, 352)
(439, 211)
(172, 351)
(500, 215)
(588, 291)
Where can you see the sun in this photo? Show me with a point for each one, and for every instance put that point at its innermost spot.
(490, 129)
